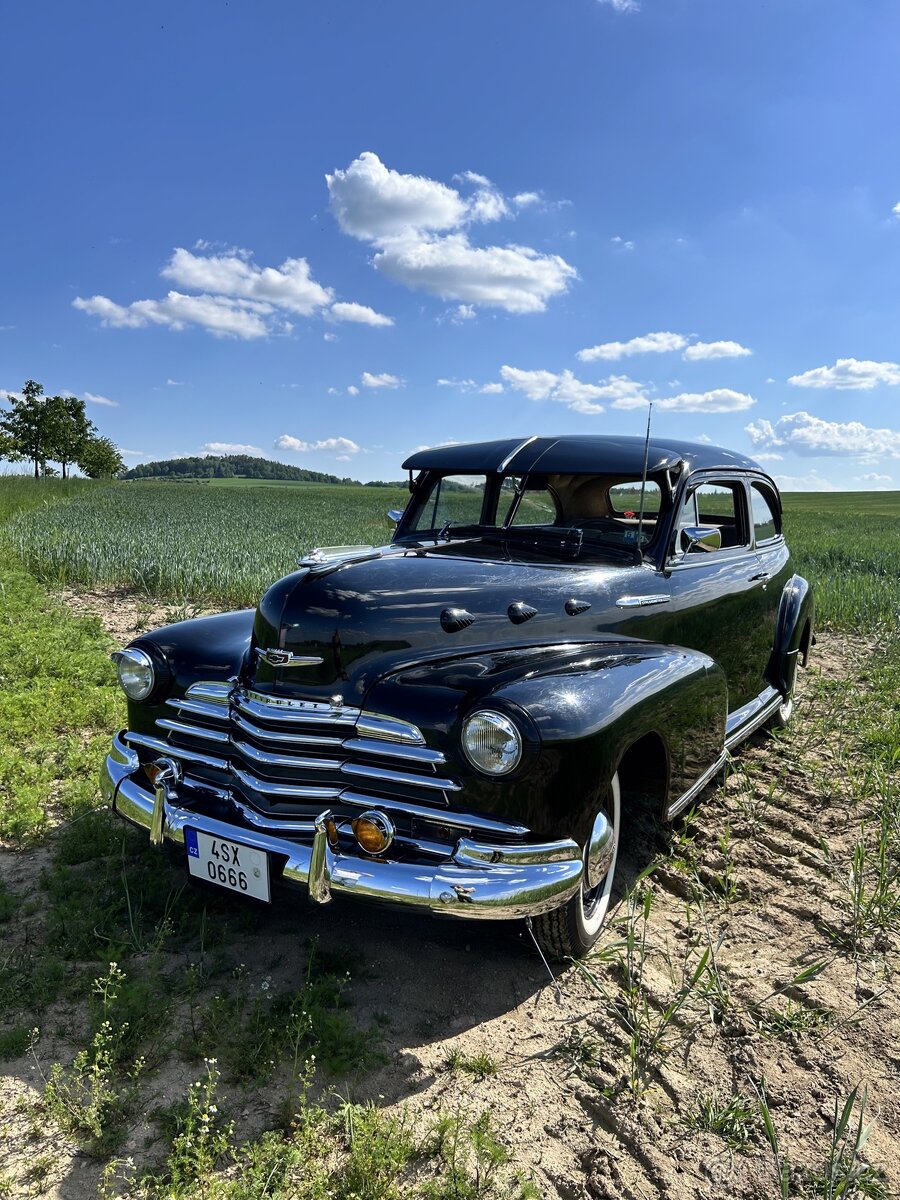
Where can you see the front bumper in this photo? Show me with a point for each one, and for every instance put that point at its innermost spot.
(476, 880)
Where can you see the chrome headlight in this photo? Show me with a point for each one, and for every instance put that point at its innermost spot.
(491, 742)
(137, 675)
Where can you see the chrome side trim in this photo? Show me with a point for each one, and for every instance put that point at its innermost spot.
(430, 782)
(672, 810)
(743, 721)
(152, 743)
(642, 601)
(389, 729)
(197, 731)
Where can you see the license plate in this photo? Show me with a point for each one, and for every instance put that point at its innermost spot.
(231, 865)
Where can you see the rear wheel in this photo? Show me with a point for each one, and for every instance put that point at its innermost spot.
(571, 931)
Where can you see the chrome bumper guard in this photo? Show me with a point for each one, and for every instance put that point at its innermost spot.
(476, 880)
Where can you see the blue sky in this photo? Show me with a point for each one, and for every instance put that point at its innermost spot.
(337, 232)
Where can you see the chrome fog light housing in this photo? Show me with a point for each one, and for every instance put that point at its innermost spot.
(491, 742)
(137, 675)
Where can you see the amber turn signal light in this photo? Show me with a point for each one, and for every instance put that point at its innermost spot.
(373, 831)
(152, 771)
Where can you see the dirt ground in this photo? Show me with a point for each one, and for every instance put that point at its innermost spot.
(435, 987)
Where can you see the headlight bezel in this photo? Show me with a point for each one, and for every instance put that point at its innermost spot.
(498, 722)
(137, 659)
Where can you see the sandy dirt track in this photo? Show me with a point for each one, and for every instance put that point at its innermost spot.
(434, 987)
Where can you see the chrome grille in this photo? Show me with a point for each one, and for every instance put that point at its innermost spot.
(281, 761)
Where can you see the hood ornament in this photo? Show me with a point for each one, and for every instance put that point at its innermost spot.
(284, 658)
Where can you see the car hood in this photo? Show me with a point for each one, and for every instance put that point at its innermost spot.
(366, 618)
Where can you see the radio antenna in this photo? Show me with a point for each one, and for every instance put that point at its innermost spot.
(638, 551)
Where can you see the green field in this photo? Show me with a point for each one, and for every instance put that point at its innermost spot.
(162, 1043)
(225, 542)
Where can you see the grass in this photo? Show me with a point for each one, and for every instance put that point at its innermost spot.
(178, 990)
(180, 541)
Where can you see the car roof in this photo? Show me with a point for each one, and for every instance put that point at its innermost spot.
(576, 454)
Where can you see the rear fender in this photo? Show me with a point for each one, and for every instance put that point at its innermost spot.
(793, 633)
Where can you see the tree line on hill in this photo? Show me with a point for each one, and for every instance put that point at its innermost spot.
(55, 429)
(239, 466)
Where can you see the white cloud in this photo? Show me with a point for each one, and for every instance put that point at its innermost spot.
(622, 6)
(289, 286)
(330, 337)
(417, 226)
(231, 448)
(873, 476)
(809, 435)
(849, 374)
(896, 210)
(526, 199)
(491, 389)
(649, 343)
(566, 389)
(372, 202)
(463, 312)
(5, 395)
(622, 243)
(361, 313)
(340, 444)
(384, 380)
(237, 298)
(352, 390)
(103, 401)
(704, 350)
(219, 315)
(131, 453)
(719, 400)
(770, 456)
(174, 383)
(515, 278)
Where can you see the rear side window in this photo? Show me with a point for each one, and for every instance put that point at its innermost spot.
(765, 513)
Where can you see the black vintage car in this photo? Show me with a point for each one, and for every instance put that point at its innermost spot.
(457, 721)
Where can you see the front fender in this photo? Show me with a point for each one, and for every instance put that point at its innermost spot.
(581, 707)
(793, 633)
(210, 648)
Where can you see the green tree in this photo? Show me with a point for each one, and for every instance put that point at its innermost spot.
(67, 430)
(26, 426)
(100, 459)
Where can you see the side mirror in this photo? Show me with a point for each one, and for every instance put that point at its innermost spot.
(700, 538)
(394, 515)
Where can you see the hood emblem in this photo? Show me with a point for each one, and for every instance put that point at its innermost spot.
(284, 658)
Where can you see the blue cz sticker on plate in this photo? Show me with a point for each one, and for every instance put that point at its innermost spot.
(190, 840)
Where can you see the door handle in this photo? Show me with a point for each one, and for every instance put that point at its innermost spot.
(763, 575)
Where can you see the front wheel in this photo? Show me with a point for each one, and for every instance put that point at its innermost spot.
(781, 717)
(571, 931)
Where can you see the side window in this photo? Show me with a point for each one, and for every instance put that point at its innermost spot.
(765, 513)
(536, 507)
(720, 505)
(458, 500)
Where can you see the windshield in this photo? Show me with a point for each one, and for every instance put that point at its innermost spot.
(590, 510)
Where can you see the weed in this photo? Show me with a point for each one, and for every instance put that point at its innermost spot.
(202, 1138)
(478, 1065)
(734, 1118)
(87, 1099)
(472, 1156)
(792, 1018)
(14, 1042)
(647, 1025)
